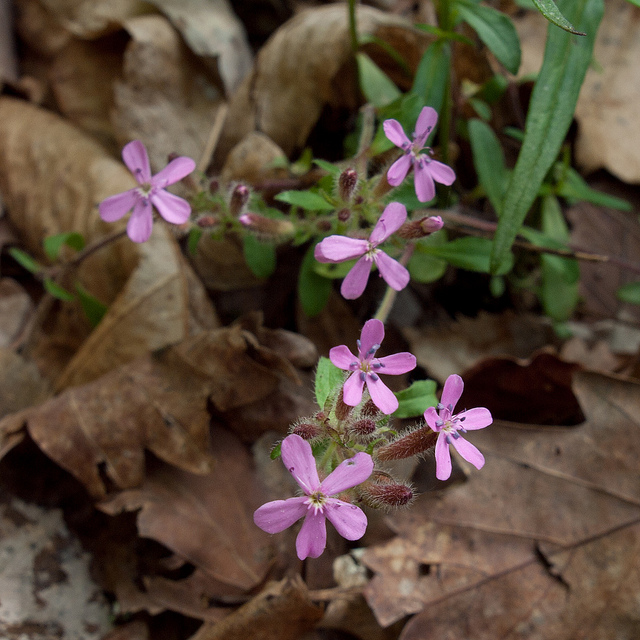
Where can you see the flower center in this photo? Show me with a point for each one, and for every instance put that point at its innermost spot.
(145, 189)
(450, 424)
(316, 501)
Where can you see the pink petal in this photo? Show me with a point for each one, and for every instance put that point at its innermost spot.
(299, 461)
(141, 222)
(469, 452)
(390, 221)
(425, 188)
(177, 169)
(278, 515)
(350, 521)
(392, 272)
(382, 396)
(356, 280)
(372, 334)
(394, 131)
(114, 207)
(443, 458)
(452, 391)
(399, 169)
(424, 125)
(352, 389)
(477, 418)
(312, 538)
(172, 208)
(441, 172)
(397, 363)
(349, 473)
(339, 249)
(431, 417)
(342, 357)
(135, 157)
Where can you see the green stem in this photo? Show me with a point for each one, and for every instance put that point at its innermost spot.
(353, 30)
(445, 22)
(390, 294)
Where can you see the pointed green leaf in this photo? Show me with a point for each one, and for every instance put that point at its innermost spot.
(551, 12)
(305, 200)
(328, 379)
(415, 400)
(629, 293)
(551, 110)
(313, 290)
(53, 244)
(375, 84)
(25, 260)
(93, 308)
(57, 291)
(260, 256)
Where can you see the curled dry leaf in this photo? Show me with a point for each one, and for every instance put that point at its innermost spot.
(207, 520)
(303, 67)
(158, 402)
(52, 177)
(545, 538)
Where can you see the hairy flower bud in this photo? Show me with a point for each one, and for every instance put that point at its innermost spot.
(344, 215)
(342, 410)
(207, 221)
(387, 495)
(239, 198)
(268, 227)
(306, 430)
(369, 410)
(364, 427)
(410, 444)
(323, 225)
(347, 183)
(420, 228)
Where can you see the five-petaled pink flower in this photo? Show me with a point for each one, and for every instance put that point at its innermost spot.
(450, 426)
(317, 504)
(150, 192)
(366, 368)
(425, 168)
(341, 248)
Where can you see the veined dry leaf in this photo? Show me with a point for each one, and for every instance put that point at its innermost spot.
(207, 520)
(302, 67)
(52, 177)
(542, 543)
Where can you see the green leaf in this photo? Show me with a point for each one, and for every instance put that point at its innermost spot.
(333, 271)
(551, 12)
(313, 290)
(276, 451)
(469, 253)
(93, 308)
(488, 160)
(415, 400)
(375, 84)
(260, 256)
(495, 29)
(430, 81)
(306, 200)
(573, 187)
(328, 378)
(53, 244)
(424, 267)
(328, 167)
(554, 98)
(629, 293)
(57, 291)
(25, 260)
(195, 233)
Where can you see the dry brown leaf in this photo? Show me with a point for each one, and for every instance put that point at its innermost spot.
(16, 308)
(52, 176)
(21, 384)
(304, 66)
(206, 520)
(543, 541)
(608, 134)
(253, 159)
(281, 611)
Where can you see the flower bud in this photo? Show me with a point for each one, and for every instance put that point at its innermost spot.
(347, 183)
(239, 198)
(270, 227)
(420, 228)
(323, 225)
(387, 495)
(306, 430)
(344, 215)
(214, 185)
(364, 427)
(369, 409)
(207, 221)
(410, 444)
(342, 409)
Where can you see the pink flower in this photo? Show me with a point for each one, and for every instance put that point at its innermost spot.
(366, 368)
(341, 248)
(449, 428)
(150, 192)
(317, 504)
(426, 169)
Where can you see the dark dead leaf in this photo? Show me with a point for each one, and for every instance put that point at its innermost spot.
(542, 542)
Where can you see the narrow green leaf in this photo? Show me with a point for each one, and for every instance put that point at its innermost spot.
(276, 451)
(629, 293)
(431, 76)
(496, 30)
(306, 200)
(328, 378)
(551, 12)
(53, 244)
(93, 308)
(469, 253)
(313, 290)
(551, 110)
(195, 233)
(25, 260)
(415, 400)
(424, 267)
(57, 291)
(488, 160)
(328, 167)
(573, 187)
(260, 256)
(375, 84)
